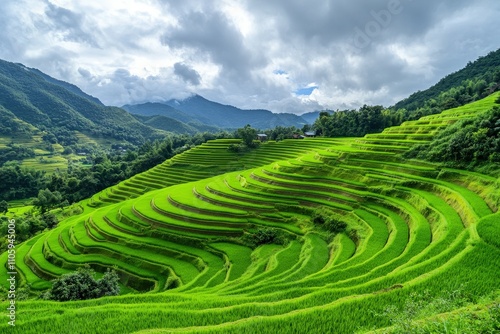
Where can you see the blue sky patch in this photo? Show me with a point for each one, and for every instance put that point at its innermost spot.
(306, 90)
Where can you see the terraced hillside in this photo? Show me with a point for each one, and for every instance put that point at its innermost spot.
(207, 160)
(413, 228)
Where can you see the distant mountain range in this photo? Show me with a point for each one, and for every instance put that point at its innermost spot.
(197, 111)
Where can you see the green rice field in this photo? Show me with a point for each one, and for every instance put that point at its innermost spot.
(177, 235)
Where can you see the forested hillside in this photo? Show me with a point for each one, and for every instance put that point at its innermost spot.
(61, 114)
(476, 81)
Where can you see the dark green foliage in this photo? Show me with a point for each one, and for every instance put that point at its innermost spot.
(48, 200)
(236, 148)
(4, 206)
(109, 284)
(282, 132)
(49, 219)
(266, 235)
(247, 135)
(467, 143)
(82, 285)
(9, 125)
(20, 183)
(325, 219)
(15, 153)
(355, 123)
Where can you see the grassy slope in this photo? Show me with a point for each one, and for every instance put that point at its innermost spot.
(417, 232)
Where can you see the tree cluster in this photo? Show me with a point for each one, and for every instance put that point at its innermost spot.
(248, 135)
(82, 285)
(355, 123)
(20, 183)
(467, 143)
(27, 226)
(15, 152)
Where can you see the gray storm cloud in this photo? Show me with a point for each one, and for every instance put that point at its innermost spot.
(188, 74)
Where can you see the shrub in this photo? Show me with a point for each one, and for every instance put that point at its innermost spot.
(235, 148)
(266, 235)
(326, 220)
(82, 285)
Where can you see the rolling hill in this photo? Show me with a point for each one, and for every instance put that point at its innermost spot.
(52, 106)
(42, 117)
(223, 242)
(474, 81)
(174, 126)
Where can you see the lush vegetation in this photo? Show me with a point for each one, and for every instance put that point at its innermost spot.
(82, 285)
(314, 235)
(355, 123)
(476, 81)
(103, 169)
(467, 143)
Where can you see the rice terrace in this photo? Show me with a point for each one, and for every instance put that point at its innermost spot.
(249, 167)
(182, 237)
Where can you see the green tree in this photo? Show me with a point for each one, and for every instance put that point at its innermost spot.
(47, 200)
(109, 284)
(4, 206)
(247, 134)
(82, 285)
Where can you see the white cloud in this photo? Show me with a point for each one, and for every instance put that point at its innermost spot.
(249, 53)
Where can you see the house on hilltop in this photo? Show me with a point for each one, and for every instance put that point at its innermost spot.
(262, 136)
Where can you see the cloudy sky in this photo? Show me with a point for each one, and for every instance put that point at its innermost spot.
(282, 55)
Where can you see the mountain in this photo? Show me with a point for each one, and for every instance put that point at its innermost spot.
(175, 126)
(312, 116)
(72, 88)
(62, 111)
(475, 81)
(158, 109)
(164, 117)
(216, 114)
